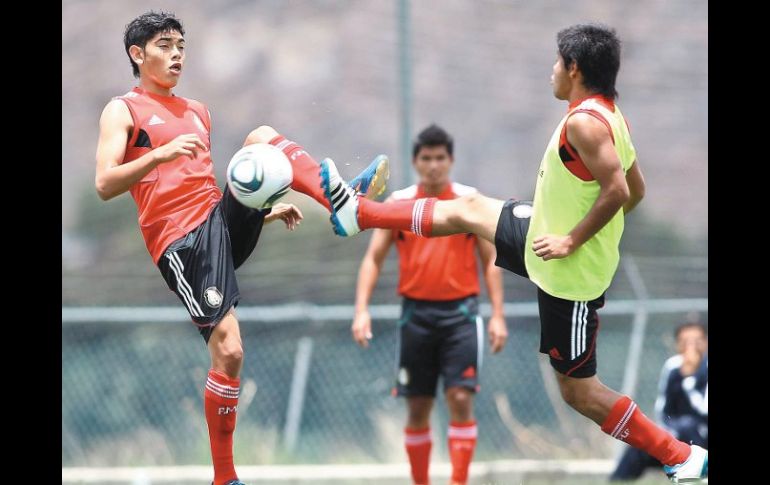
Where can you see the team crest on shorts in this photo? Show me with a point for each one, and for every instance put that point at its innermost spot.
(213, 297)
(522, 211)
(403, 376)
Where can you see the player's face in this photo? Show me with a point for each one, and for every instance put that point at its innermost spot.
(692, 338)
(560, 79)
(163, 58)
(433, 165)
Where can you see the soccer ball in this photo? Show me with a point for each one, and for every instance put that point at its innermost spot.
(259, 175)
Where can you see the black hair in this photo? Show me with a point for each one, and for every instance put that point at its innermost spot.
(596, 50)
(143, 28)
(433, 136)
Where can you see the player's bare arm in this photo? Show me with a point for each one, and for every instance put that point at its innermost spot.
(113, 177)
(368, 273)
(493, 276)
(635, 181)
(593, 142)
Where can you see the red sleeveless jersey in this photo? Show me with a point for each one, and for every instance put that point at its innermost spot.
(177, 196)
(437, 268)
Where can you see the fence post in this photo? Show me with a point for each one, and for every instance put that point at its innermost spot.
(297, 393)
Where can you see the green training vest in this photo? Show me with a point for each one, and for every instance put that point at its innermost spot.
(561, 201)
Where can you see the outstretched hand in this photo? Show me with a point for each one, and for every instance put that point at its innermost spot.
(288, 213)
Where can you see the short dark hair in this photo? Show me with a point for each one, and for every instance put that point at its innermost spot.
(143, 28)
(433, 136)
(596, 49)
(687, 325)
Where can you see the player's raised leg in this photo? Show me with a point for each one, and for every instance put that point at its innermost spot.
(427, 217)
(307, 176)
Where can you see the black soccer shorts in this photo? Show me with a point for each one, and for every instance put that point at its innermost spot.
(439, 338)
(568, 329)
(200, 267)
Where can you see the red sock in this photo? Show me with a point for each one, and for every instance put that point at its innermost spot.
(627, 423)
(307, 172)
(462, 443)
(221, 403)
(407, 215)
(418, 443)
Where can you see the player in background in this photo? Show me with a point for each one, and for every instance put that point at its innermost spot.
(156, 145)
(566, 241)
(440, 330)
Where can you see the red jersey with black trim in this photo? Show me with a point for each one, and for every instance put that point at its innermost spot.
(436, 268)
(177, 196)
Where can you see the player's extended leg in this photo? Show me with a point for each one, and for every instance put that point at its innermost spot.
(474, 213)
(307, 178)
(221, 395)
(427, 217)
(418, 440)
(462, 432)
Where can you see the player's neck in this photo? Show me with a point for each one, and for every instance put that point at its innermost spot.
(434, 190)
(154, 88)
(579, 93)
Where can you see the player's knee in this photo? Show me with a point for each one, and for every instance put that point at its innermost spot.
(573, 396)
(231, 354)
(459, 399)
(263, 134)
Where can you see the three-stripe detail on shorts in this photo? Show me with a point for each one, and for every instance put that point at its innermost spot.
(578, 333)
(183, 286)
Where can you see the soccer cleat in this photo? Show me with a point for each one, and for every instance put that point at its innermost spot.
(694, 468)
(342, 198)
(372, 181)
(233, 482)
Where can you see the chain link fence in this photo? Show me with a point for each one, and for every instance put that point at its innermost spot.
(132, 393)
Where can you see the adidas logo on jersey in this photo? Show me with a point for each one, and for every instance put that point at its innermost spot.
(155, 120)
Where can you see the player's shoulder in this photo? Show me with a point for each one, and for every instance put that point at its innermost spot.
(129, 95)
(116, 110)
(461, 189)
(404, 194)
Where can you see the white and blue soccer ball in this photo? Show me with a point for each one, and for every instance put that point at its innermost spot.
(259, 175)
